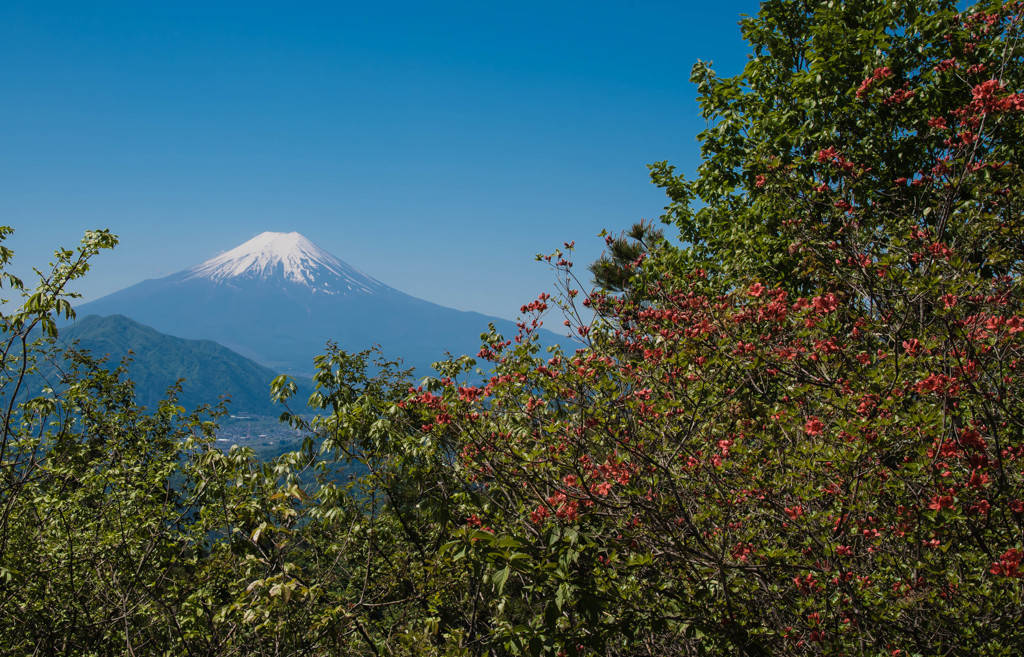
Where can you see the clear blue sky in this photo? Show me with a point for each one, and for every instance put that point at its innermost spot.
(436, 146)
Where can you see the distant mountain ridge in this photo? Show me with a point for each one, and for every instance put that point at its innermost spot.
(278, 298)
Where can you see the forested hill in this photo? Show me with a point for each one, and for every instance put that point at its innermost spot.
(209, 370)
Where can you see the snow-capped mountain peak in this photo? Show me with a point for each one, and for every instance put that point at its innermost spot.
(291, 257)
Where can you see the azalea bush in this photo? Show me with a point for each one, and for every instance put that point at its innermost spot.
(801, 431)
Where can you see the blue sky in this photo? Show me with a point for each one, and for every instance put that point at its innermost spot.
(436, 146)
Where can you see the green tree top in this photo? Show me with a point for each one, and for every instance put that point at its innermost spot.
(853, 123)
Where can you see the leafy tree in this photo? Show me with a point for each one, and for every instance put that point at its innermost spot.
(853, 123)
(98, 540)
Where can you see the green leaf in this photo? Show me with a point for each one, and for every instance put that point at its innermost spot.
(561, 594)
(500, 577)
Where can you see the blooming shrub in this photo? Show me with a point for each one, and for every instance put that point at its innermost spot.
(802, 432)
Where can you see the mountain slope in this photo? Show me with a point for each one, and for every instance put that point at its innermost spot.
(278, 299)
(209, 369)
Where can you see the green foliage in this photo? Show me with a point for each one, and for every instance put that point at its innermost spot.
(853, 123)
(613, 269)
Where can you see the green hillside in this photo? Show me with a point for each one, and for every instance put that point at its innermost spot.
(209, 370)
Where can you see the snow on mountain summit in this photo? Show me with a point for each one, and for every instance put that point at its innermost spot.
(289, 256)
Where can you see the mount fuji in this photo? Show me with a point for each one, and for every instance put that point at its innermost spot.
(279, 298)
(287, 258)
